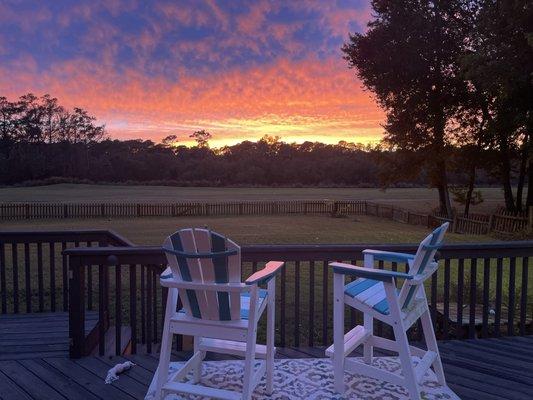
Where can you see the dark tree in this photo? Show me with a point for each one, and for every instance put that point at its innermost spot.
(202, 138)
(408, 59)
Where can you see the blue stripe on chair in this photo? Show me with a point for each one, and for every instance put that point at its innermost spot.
(359, 286)
(383, 306)
(245, 302)
(220, 265)
(186, 275)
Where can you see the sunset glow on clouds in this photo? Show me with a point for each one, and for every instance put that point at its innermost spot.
(239, 69)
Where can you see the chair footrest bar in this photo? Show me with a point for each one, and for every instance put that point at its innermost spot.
(231, 347)
(352, 339)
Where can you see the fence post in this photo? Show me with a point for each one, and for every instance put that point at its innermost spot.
(102, 210)
(27, 211)
(65, 211)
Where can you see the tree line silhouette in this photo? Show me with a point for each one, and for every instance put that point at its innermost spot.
(42, 142)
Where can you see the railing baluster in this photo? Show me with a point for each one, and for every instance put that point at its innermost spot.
(460, 288)
(14, 258)
(523, 296)
(89, 284)
(40, 278)
(133, 307)
(446, 304)
(149, 309)
(27, 276)
(473, 295)
(311, 338)
(118, 310)
(102, 316)
(155, 336)
(512, 286)
(52, 265)
(65, 277)
(297, 304)
(3, 284)
(498, 311)
(283, 306)
(143, 305)
(486, 291)
(325, 318)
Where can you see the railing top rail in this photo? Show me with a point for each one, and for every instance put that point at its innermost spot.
(65, 235)
(326, 252)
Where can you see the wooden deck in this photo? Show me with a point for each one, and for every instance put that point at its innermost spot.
(34, 364)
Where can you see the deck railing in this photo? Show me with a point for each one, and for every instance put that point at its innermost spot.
(481, 290)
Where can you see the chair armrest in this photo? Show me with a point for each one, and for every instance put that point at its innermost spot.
(389, 255)
(271, 269)
(166, 274)
(377, 274)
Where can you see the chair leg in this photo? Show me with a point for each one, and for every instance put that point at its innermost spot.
(197, 372)
(368, 349)
(249, 362)
(431, 343)
(271, 309)
(338, 332)
(408, 370)
(166, 345)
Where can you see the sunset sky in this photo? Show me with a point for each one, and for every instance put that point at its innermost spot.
(239, 69)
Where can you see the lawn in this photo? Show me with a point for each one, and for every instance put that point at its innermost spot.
(297, 229)
(421, 199)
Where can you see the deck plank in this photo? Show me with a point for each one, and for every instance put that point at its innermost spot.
(488, 369)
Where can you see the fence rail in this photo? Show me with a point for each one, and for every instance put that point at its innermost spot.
(18, 211)
(501, 222)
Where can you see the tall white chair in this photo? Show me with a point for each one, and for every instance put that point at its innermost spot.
(219, 310)
(375, 294)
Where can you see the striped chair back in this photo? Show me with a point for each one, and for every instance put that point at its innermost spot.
(425, 256)
(203, 256)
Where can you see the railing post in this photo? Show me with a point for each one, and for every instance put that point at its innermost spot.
(76, 315)
(530, 219)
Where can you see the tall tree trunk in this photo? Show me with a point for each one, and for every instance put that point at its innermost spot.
(522, 175)
(445, 203)
(505, 172)
(471, 182)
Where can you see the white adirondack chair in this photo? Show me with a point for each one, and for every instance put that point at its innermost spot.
(375, 294)
(219, 310)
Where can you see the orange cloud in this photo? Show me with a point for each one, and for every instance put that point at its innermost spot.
(297, 100)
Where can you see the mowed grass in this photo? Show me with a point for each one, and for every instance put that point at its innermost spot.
(421, 199)
(294, 229)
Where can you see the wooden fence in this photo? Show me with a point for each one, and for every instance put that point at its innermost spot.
(501, 222)
(18, 211)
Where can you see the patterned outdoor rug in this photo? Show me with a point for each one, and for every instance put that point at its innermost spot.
(312, 378)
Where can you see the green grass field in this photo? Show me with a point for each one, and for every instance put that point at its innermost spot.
(297, 229)
(420, 199)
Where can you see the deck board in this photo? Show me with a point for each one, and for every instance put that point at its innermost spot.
(34, 365)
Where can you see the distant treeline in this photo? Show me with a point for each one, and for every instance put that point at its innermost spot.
(41, 141)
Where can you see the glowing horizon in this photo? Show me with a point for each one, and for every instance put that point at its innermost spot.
(239, 70)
